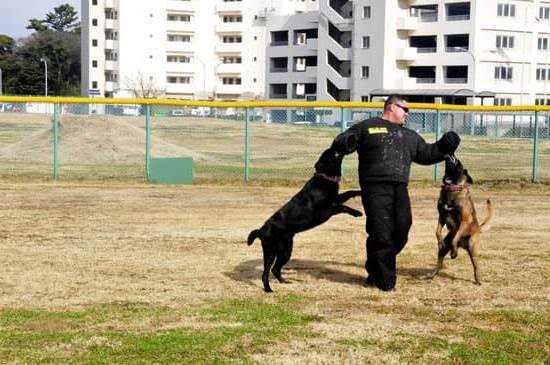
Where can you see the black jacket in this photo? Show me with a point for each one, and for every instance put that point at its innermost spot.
(386, 150)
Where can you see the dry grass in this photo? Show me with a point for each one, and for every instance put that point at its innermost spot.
(73, 245)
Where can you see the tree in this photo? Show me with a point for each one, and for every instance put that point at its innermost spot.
(64, 18)
(25, 73)
(6, 44)
(143, 87)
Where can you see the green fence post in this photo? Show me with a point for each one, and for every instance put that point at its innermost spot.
(246, 145)
(55, 140)
(437, 129)
(535, 148)
(147, 141)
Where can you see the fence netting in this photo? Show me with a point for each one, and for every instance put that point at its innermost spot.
(268, 144)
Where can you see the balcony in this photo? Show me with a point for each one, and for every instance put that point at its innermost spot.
(229, 27)
(183, 47)
(406, 54)
(111, 24)
(228, 89)
(180, 88)
(229, 47)
(180, 5)
(229, 7)
(230, 68)
(110, 86)
(181, 67)
(425, 80)
(111, 44)
(111, 65)
(312, 44)
(407, 23)
(456, 80)
(187, 27)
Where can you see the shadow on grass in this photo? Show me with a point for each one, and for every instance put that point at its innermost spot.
(250, 271)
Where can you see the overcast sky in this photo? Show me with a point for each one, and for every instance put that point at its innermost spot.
(15, 14)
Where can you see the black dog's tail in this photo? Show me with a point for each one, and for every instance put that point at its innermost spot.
(253, 235)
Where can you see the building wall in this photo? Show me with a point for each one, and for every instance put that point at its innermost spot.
(142, 46)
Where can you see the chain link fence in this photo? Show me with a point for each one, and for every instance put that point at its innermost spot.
(276, 144)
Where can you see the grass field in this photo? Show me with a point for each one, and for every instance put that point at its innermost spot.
(98, 272)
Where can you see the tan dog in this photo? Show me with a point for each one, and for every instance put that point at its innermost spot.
(457, 212)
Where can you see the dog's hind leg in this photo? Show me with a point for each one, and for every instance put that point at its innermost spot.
(473, 251)
(441, 253)
(269, 257)
(283, 256)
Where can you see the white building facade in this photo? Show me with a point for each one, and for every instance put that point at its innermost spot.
(429, 50)
(182, 49)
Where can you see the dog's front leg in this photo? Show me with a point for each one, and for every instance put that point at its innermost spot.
(337, 209)
(342, 198)
(439, 232)
(464, 224)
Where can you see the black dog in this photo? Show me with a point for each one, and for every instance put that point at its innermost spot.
(313, 205)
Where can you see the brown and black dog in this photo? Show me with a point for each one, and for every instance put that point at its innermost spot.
(457, 212)
(313, 205)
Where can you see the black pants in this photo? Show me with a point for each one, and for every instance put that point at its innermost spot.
(388, 210)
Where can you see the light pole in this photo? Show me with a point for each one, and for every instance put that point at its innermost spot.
(1, 81)
(45, 75)
(203, 74)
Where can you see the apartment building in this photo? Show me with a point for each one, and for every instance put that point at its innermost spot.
(183, 49)
(430, 50)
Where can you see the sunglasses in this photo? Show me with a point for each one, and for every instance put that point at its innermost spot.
(404, 108)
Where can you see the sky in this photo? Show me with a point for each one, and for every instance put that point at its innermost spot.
(15, 14)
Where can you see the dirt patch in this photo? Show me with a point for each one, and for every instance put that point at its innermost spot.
(93, 139)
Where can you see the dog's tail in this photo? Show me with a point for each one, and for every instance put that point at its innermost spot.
(486, 224)
(253, 235)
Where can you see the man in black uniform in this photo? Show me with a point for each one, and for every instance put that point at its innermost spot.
(386, 151)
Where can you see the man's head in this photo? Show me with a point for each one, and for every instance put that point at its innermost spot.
(396, 109)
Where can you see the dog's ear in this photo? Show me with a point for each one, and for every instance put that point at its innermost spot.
(469, 179)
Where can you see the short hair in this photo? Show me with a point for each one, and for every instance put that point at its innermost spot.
(393, 99)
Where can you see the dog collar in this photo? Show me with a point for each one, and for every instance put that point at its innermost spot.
(454, 187)
(335, 179)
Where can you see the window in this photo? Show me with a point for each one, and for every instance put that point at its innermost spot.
(179, 18)
(365, 72)
(94, 22)
(365, 42)
(542, 43)
(232, 59)
(506, 10)
(232, 39)
(541, 101)
(94, 2)
(231, 80)
(543, 74)
(184, 38)
(94, 42)
(94, 64)
(178, 59)
(94, 84)
(232, 18)
(503, 101)
(505, 41)
(178, 79)
(544, 12)
(366, 12)
(503, 73)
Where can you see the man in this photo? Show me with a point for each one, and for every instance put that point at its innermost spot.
(386, 151)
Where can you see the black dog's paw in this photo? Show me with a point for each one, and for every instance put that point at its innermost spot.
(357, 214)
(278, 276)
(454, 255)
